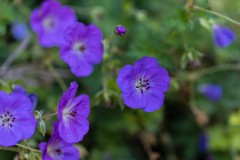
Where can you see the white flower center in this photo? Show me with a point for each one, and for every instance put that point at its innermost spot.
(69, 113)
(7, 119)
(48, 23)
(142, 85)
(79, 47)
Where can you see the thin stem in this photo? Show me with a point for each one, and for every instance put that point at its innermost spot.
(13, 149)
(14, 55)
(218, 68)
(49, 115)
(216, 14)
(57, 76)
(28, 148)
(3, 83)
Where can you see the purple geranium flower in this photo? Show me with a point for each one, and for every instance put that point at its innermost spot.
(57, 149)
(120, 30)
(17, 121)
(50, 21)
(203, 145)
(213, 92)
(83, 48)
(32, 96)
(72, 114)
(19, 30)
(143, 84)
(223, 36)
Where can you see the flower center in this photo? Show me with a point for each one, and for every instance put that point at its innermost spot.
(58, 151)
(142, 85)
(53, 152)
(48, 23)
(79, 47)
(7, 119)
(69, 113)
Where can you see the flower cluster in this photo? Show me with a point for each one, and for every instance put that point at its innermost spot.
(143, 84)
(70, 128)
(17, 121)
(80, 45)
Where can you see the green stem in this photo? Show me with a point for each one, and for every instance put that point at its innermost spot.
(216, 14)
(28, 148)
(219, 68)
(49, 115)
(57, 76)
(3, 83)
(13, 149)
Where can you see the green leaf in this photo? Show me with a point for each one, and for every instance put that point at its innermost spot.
(42, 127)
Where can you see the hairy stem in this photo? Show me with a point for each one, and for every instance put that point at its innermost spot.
(13, 149)
(28, 148)
(216, 14)
(49, 115)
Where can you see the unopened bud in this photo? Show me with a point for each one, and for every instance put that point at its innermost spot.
(120, 30)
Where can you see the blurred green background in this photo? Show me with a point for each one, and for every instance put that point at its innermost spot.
(163, 29)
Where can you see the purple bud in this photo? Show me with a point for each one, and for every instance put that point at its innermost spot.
(223, 36)
(34, 99)
(212, 91)
(120, 30)
(19, 30)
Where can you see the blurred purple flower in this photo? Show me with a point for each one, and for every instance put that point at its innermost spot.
(50, 21)
(213, 92)
(17, 121)
(32, 96)
(19, 30)
(203, 145)
(223, 36)
(120, 30)
(83, 48)
(57, 149)
(72, 114)
(143, 84)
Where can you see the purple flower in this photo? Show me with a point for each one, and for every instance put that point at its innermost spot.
(203, 145)
(223, 36)
(17, 121)
(57, 149)
(72, 114)
(213, 92)
(32, 96)
(50, 21)
(143, 84)
(83, 48)
(19, 30)
(120, 30)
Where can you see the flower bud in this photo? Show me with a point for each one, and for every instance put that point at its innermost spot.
(120, 30)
